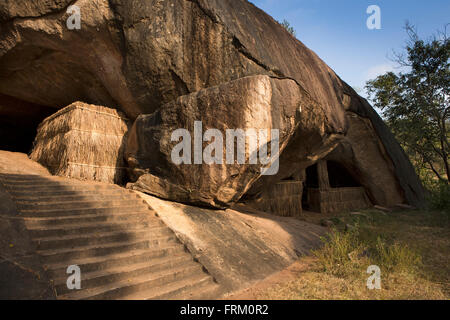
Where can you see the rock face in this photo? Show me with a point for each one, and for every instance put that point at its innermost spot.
(141, 56)
(249, 104)
(27, 9)
(241, 245)
(368, 161)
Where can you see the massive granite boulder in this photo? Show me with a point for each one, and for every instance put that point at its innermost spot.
(141, 56)
(227, 139)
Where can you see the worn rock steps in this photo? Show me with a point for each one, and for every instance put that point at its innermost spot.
(123, 249)
(118, 259)
(194, 288)
(148, 284)
(81, 219)
(83, 252)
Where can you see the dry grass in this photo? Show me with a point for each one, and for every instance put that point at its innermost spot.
(412, 248)
(84, 142)
(323, 286)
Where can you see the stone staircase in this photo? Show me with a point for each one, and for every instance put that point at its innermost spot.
(123, 249)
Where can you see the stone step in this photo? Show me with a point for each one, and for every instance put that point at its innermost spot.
(72, 241)
(105, 262)
(82, 211)
(80, 219)
(23, 178)
(156, 247)
(124, 250)
(19, 194)
(209, 292)
(24, 190)
(91, 228)
(46, 183)
(182, 289)
(119, 289)
(104, 196)
(124, 273)
(70, 205)
(11, 176)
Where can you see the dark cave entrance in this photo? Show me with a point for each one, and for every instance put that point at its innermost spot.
(16, 136)
(330, 187)
(326, 187)
(311, 182)
(340, 177)
(312, 178)
(19, 121)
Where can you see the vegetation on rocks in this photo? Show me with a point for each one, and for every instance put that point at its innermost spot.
(287, 25)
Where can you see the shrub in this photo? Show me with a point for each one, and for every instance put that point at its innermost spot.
(287, 25)
(339, 251)
(396, 257)
(439, 197)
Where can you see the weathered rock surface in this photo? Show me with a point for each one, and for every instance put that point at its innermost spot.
(236, 246)
(12, 9)
(140, 55)
(43, 62)
(250, 103)
(368, 160)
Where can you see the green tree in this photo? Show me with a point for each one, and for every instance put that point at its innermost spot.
(287, 25)
(415, 103)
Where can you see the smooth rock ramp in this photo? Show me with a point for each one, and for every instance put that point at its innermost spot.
(238, 246)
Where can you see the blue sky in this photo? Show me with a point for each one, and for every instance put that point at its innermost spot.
(336, 30)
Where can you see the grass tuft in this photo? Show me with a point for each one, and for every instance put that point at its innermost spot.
(337, 256)
(396, 257)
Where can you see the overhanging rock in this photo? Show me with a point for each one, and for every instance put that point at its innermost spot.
(248, 104)
(141, 55)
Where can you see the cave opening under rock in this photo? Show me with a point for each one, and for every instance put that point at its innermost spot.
(330, 187)
(340, 177)
(19, 121)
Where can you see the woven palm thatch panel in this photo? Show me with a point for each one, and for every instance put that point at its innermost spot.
(84, 142)
(338, 200)
(284, 199)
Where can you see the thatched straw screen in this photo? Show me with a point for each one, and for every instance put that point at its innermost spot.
(84, 142)
(283, 199)
(338, 199)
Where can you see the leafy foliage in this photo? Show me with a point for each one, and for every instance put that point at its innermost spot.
(415, 103)
(439, 198)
